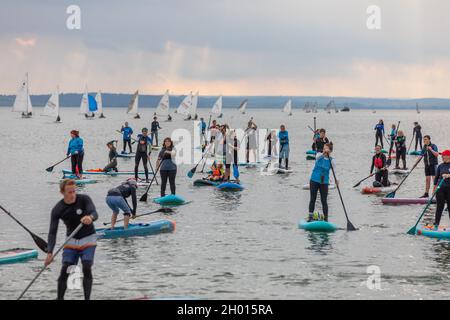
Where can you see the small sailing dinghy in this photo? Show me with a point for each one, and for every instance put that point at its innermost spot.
(217, 108)
(193, 110)
(99, 100)
(88, 105)
(51, 108)
(242, 106)
(133, 106)
(22, 103)
(163, 106)
(185, 106)
(288, 107)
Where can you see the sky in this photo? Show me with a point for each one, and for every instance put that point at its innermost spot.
(230, 47)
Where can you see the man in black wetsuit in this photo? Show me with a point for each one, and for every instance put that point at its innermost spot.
(417, 131)
(143, 151)
(154, 130)
(321, 141)
(74, 209)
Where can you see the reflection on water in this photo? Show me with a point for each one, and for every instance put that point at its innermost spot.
(319, 242)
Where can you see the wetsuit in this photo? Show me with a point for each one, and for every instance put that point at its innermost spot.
(320, 179)
(269, 142)
(251, 142)
(283, 137)
(127, 132)
(83, 244)
(400, 151)
(319, 143)
(381, 176)
(443, 195)
(392, 136)
(117, 199)
(417, 131)
(379, 133)
(112, 165)
(430, 160)
(167, 170)
(143, 152)
(76, 152)
(154, 131)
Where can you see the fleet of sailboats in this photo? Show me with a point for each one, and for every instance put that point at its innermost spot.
(22, 102)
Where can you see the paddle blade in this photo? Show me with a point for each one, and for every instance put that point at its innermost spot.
(143, 198)
(190, 174)
(41, 243)
(165, 210)
(391, 195)
(49, 169)
(350, 226)
(357, 185)
(412, 231)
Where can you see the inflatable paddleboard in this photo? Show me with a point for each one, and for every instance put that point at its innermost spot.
(17, 255)
(170, 200)
(330, 186)
(428, 231)
(230, 186)
(205, 182)
(126, 155)
(317, 226)
(137, 230)
(405, 201)
(399, 171)
(378, 190)
(103, 173)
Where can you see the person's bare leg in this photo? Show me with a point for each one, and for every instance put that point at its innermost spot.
(113, 220)
(126, 220)
(427, 184)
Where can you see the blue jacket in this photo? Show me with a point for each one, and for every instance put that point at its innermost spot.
(283, 136)
(321, 171)
(127, 132)
(379, 128)
(75, 146)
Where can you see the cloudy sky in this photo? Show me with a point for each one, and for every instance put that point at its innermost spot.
(231, 47)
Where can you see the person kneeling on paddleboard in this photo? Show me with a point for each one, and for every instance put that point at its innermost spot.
(320, 179)
(430, 158)
(379, 164)
(167, 166)
(76, 152)
(283, 137)
(443, 194)
(217, 172)
(74, 209)
(112, 165)
(400, 150)
(117, 200)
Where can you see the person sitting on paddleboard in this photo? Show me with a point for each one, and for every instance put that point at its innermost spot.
(74, 209)
(112, 165)
(320, 179)
(379, 164)
(251, 140)
(144, 149)
(283, 137)
(116, 200)
(417, 131)
(400, 150)
(154, 130)
(443, 194)
(167, 166)
(430, 158)
(320, 142)
(76, 152)
(392, 135)
(379, 133)
(126, 136)
(217, 172)
(169, 118)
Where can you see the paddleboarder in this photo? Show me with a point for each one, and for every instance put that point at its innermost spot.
(392, 135)
(443, 194)
(127, 131)
(320, 141)
(144, 149)
(379, 133)
(167, 166)
(320, 180)
(417, 132)
(380, 165)
(154, 130)
(74, 209)
(116, 200)
(234, 147)
(76, 152)
(112, 156)
(283, 137)
(430, 155)
(400, 150)
(251, 140)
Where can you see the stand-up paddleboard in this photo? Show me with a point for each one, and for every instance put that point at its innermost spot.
(399, 171)
(310, 157)
(126, 155)
(406, 201)
(137, 230)
(414, 153)
(170, 200)
(330, 186)
(230, 186)
(428, 231)
(284, 171)
(80, 182)
(311, 152)
(378, 190)
(317, 226)
(17, 255)
(205, 182)
(104, 173)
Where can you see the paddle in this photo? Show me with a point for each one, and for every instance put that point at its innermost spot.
(350, 226)
(392, 194)
(191, 173)
(413, 229)
(54, 255)
(371, 175)
(410, 144)
(131, 138)
(389, 161)
(50, 169)
(163, 210)
(41, 243)
(144, 196)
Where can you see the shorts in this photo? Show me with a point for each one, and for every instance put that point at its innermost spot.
(284, 152)
(430, 170)
(83, 249)
(117, 203)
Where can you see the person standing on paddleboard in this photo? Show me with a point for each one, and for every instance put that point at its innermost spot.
(320, 142)
(154, 130)
(76, 152)
(283, 137)
(379, 133)
(226, 156)
(417, 131)
(320, 179)
(126, 135)
(251, 140)
(233, 151)
(74, 209)
(400, 150)
(392, 135)
(167, 166)
(430, 158)
(202, 126)
(380, 165)
(213, 129)
(144, 149)
(443, 194)
(112, 165)
(116, 199)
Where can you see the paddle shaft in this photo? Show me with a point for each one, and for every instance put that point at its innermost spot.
(144, 196)
(371, 175)
(400, 184)
(389, 161)
(51, 167)
(54, 255)
(410, 144)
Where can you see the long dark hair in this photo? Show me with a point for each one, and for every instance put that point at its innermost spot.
(164, 144)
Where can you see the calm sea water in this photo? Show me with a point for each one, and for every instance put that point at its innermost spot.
(229, 246)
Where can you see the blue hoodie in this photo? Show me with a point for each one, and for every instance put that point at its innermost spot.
(283, 136)
(127, 132)
(321, 171)
(75, 146)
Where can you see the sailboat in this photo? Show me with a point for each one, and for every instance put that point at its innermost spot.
(51, 108)
(185, 106)
(417, 108)
(331, 106)
(242, 106)
(315, 107)
(193, 109)
(217, 108)
(99, 100)
(163, 106)
(307, 107)
(288, 107)
(88, 105)
(22, 103)
(133, 106)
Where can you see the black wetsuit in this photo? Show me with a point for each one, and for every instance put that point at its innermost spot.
(320, 143)
(381, 176)
(430, 160)
(154, 131)
(417, 131)
(71, 215)
(443, 195)
(400, 151)
(112, 165)
(142, 152)
(125, 191)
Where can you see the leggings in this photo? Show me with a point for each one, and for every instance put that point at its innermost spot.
(419, 141)
(125, 143)
(155, 135)
(442, 197)
(137, 159)
(87, 280)
(379, 136)
(400, 153)
(382, 177)
(314, 187)
(112, 166)
(171, 174)
(77, 163)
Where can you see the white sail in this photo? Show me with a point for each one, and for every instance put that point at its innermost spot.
(133, 106)
(185, 105)
(194, 104)
(243, 106)
(22, 103)
(288, 107)
(217, 107)
(163, 107)
(51, 108)
(98, 99)
(84, 105)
